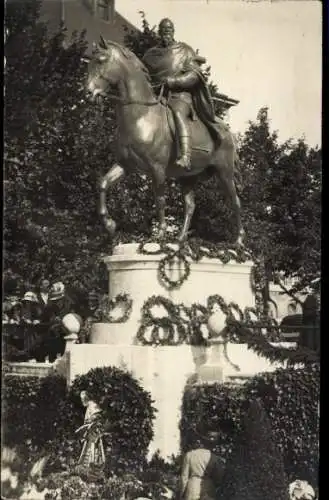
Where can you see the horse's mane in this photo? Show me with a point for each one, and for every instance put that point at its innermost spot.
(131, 57)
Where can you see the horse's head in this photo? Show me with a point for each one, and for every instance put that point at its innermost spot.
(112, 63)
(105, 68)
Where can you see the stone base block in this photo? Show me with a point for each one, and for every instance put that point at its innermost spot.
(210, 374)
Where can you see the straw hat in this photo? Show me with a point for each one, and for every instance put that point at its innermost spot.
(57, 291)
(30, 297)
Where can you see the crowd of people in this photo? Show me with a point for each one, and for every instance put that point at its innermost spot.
(40, 310)
(35, 306)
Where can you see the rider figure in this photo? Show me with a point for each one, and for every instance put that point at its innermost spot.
(177, 66)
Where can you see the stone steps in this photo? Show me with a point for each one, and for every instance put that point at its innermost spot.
(29, 369)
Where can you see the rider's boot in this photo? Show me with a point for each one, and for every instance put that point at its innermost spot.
(184, 161)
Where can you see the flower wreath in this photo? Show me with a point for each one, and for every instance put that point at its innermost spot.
(121, 298)
(105, 311)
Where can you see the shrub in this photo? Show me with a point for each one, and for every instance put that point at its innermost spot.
(19, 401)
(40, 419)
(212, 407)
(255, 468)
(128, 486)
(290, 398)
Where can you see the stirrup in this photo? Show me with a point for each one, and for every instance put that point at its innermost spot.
(184, 162)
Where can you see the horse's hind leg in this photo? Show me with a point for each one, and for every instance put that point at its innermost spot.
(225, 169)
(187, 184)
(114, 175)
(158, 182)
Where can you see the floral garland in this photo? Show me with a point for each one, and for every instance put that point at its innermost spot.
(104, 313)
(166, 323)
(193, 250)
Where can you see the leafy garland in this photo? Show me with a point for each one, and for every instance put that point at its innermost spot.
(181, 324)
(184, 253)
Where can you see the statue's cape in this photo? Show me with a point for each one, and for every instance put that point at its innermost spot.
(176, 60)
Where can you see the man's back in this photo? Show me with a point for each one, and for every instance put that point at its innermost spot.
(205, 471)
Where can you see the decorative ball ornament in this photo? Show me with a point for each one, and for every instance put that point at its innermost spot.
(216, 323)
(72, 323)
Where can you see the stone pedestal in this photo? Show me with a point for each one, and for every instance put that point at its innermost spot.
(163, 371)
(137, 275)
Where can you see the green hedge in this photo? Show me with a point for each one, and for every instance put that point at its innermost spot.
(41, 416)
(290, 398)
(255, 469)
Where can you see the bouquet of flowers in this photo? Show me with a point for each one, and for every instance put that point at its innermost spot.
(301, 490)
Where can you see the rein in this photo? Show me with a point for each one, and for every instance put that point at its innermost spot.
(141, 103)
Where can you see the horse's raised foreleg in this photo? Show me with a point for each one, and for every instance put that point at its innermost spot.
(115, 173)
(187, 184)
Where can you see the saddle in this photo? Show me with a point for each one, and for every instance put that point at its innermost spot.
(201, 138)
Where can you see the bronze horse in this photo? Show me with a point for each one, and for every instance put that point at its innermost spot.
(146, 138)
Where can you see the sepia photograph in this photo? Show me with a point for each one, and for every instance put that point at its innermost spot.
(161, 299)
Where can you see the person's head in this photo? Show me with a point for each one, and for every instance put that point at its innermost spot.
(93, 301)
(291, 309)
(166, 32)
(16, 310)
(207, 439)
(85, 398)
(44, 286)
(29, 299)
(57, 291)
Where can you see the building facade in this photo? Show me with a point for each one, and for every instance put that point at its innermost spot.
(95, 17)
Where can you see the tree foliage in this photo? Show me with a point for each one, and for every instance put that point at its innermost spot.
(281, 200)
(56, 146)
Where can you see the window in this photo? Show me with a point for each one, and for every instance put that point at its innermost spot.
(105, 9)
(89, 4)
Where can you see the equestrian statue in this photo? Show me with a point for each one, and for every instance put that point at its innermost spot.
(167, 127)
